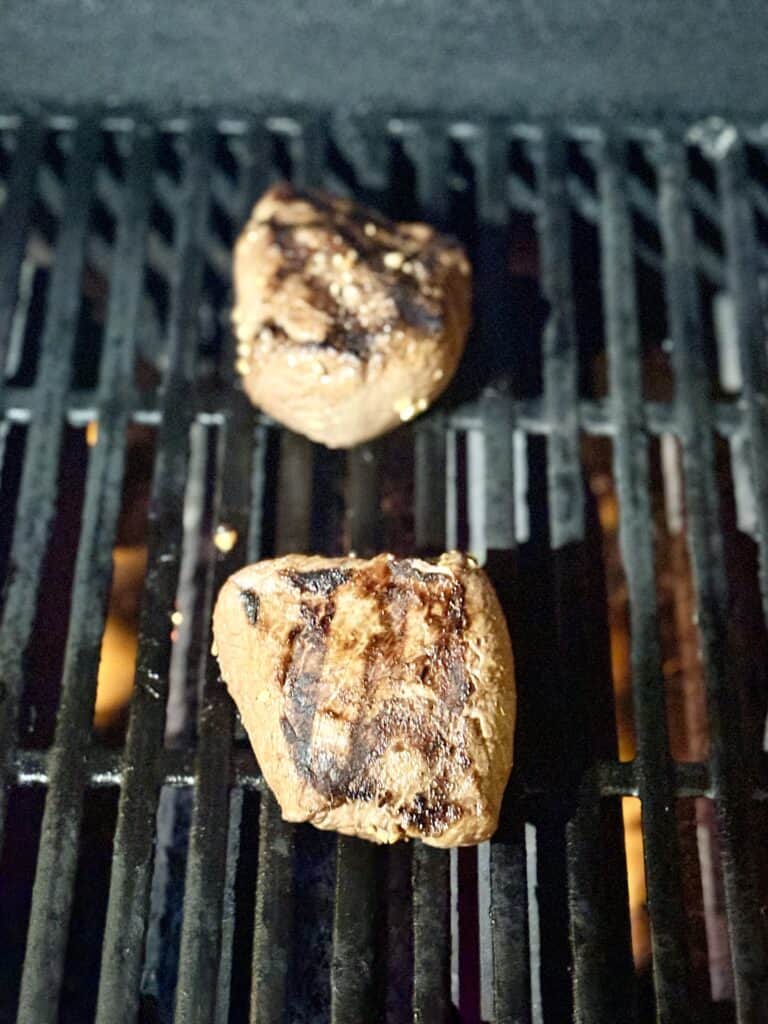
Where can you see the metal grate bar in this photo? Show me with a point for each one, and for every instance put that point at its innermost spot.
(431, 936)
(601, 977)
(176, 769)
(206, 860)
(37, 496)
(600, 937)
(233, 123)
(508, 874)
(560, 371)
(430, 867)
(630, 456)
(134, 836)
(430, 485)
(273, 915)
(428, 146)
(509, 926)
(499, 483)
(253, 548)
(743, 267)
(363, 500)
(255, 171)
(508, 883)
(621, 779)
(356, 992)
(13, 235)
(747, 931)
(57, 857)
(224, 983)
(308, 154)
(490, 163)
(594, 415)
(274, 908)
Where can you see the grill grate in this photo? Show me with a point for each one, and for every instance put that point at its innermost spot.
(499, 469)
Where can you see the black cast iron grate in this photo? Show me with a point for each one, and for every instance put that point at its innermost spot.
(152, 208)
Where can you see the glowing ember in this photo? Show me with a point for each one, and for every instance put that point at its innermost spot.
(225, 538)
(118, 646)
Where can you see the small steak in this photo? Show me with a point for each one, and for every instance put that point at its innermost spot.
(347, 323)
(378, 695)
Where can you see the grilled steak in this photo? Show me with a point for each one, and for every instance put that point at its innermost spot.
(378, 695)
(347, 323)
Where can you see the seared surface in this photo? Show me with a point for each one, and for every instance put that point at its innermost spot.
(347, 323)
(378, 695)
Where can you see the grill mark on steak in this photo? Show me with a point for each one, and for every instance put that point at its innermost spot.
(350, 336)
(444, 671)
(347, 333)
(319, 581)
(415, 310)
(404, 590)
(348, 222)
(302, 673)
(307, 647)
(430, 813)
(251, 604)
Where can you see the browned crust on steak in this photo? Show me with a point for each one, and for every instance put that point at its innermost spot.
(333, 302)
(385, 692)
